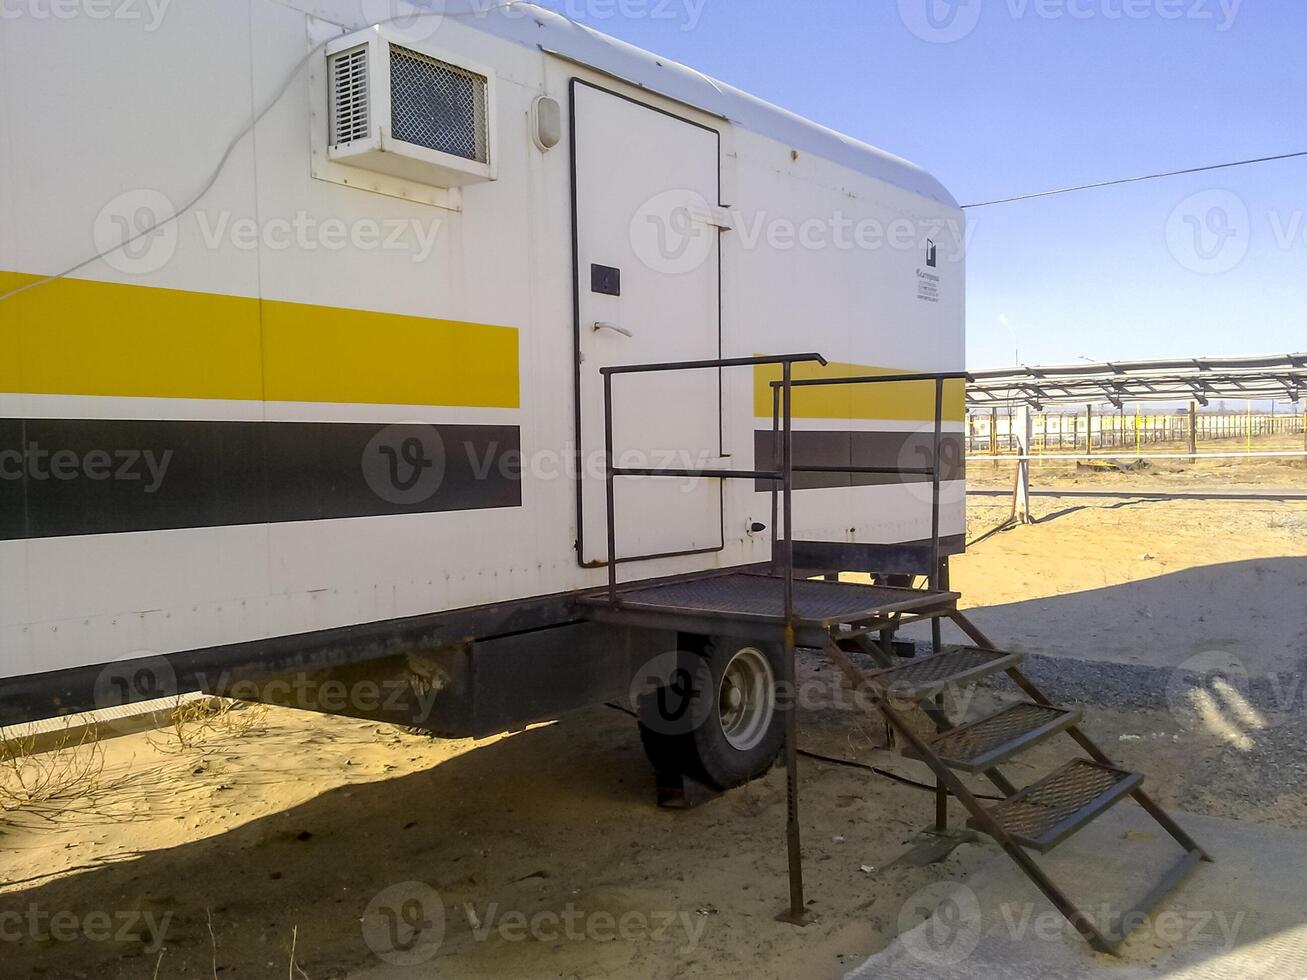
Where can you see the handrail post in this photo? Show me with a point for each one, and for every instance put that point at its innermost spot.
(610, 489)
(776, 465)
(798, 910)
(936, 633)
(787, 468)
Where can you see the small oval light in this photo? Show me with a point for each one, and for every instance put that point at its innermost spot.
(547, 122)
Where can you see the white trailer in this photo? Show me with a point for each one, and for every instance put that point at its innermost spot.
(302, 319)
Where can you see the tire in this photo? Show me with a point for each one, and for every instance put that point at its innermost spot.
(717, 719)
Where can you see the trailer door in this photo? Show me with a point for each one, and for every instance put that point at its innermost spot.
(647, 187)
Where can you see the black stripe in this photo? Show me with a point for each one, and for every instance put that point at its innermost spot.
(902, 450)
(61, 477)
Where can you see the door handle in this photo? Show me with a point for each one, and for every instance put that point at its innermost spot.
(601, 325)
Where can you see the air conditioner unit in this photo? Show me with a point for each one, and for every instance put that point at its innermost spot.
(401, 109)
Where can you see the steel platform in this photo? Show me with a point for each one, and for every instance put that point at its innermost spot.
(753, 604)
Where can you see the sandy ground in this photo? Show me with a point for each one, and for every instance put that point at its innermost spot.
(540, 854)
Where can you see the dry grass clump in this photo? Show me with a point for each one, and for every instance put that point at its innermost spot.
(206, 720)
(47, 783)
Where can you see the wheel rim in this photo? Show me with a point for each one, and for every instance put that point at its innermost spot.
(746, 699)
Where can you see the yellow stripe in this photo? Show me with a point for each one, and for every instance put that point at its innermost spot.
(911, 401)
(77, 337)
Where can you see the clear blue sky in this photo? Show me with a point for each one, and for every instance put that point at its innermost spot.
(1034, 98)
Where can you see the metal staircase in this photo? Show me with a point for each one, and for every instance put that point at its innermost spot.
(774, 604)
(1036, 818)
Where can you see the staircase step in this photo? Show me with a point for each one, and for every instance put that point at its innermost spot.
(928, 676)
(981, 745)
(1046, 813)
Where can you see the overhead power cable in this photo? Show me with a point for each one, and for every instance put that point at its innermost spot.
(1136, 180)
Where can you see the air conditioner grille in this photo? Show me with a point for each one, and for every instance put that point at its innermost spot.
(437, 105)
(349, 96)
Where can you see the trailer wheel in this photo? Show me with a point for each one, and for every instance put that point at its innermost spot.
(734, 729)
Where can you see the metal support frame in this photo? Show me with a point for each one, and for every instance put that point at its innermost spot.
(781, 476)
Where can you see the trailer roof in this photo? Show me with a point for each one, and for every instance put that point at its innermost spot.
(551, 32)
(1271, 376)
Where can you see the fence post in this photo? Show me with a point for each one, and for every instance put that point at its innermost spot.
(1193, 428)
(1024, 426)
(1089, 430)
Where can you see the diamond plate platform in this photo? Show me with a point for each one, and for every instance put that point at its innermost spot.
(983, 744)
(761, 599)
(1046, 813)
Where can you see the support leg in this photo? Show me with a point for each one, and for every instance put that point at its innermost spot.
(797, 913)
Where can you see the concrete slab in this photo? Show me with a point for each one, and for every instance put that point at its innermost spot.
(67, 731)
(1244, 916)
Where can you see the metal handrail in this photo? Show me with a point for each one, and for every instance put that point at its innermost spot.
(783, 475)
(782, 433)
(933, 471)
